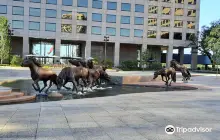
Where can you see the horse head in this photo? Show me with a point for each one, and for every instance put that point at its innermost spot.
(155, 75)
(106, 76)
(90, 64)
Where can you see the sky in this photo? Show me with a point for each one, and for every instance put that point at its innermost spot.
(209, 11)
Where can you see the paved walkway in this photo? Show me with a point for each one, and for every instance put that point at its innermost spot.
(131, 116)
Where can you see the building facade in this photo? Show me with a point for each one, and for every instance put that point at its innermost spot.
(76, 28)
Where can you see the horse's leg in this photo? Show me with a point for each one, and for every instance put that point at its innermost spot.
(38, 87)
(45, 85)
(74, 85)
(50, 85)
(166, 80)
(64, 85)
(33, 85)
(171, 79)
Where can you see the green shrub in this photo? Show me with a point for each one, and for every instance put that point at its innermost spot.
(108, 63)
(16, 60)
(96, 61)
(129, 65)
(156, 66)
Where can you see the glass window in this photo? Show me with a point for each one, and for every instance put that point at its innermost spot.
(191, 13)
(51, 13)
(18, 0)
(34, 12)
(17, 24)
(52, 2)
(151, 34)
(138, 33)
(179, 12)
(177, 36)
(34, 25)
(139, 8)
(43, 48)
(81, 16)
(111, 5)
(67, 2)
(3, 9)
(166, 10)
(138, 20)
(165, 23)
(81, 29)
(110, 31)
(191, 24)
(164, 35)
(96, 30)
(178, 23)
(189, 36)
(179, 1)
(125, 20)
(18, 10)
(152, 22)
(96, 17)
(111, 18)
(35, 1)
(125, 7)
(70, 50)
(50, 27)
(66, 14)
(125, 32)
(193, 2)
(166, 0)
(153, 9)
(97, 4)
(82, 3)
(67, 28)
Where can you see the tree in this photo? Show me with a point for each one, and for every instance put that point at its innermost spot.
(203, 39)
(213, 41)
(4, 39)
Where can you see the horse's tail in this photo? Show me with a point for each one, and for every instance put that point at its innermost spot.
(174, 77)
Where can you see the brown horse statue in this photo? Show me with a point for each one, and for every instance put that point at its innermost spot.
(83, 63)
(183, 69)
(168, 73)
(89, 64)
(72, 74)
(39, 74)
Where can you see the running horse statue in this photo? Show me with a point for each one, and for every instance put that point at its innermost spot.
(39, 74)
(168, 73)
(183, 69)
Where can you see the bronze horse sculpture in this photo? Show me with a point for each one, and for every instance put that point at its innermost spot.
(168, 73)
(89, 64)
(72, 74)
(183, 69)
(39, 74)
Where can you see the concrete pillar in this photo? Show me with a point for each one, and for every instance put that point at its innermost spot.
(116, 54)
(181, 55)
(194, 58)
(88, 49)
(169, 56)
(26, 47)
(57, 47)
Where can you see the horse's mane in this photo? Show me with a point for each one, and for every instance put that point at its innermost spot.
(36, 62)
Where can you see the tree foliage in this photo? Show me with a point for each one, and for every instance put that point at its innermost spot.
(207, 41)
(4, 39)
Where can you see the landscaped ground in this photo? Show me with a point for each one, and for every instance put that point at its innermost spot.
(131, 116)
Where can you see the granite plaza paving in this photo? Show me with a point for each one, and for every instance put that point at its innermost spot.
(132, 116)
